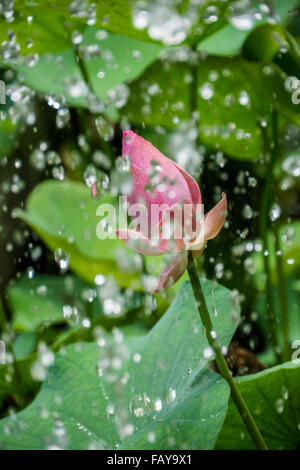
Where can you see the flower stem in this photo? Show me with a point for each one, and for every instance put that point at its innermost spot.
(220, 360)
(283, 298)
(265, 207)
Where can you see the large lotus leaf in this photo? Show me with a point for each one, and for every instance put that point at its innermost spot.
(149, 392)
(273, 397)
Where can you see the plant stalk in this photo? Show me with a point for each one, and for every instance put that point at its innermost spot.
(265, 208)
(283, 298)
(220, 360)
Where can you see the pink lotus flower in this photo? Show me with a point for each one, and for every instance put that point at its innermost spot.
(157, 180)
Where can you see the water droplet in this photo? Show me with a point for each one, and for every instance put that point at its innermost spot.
(158, 404)
(76, 87)
(275, 212)
(119, 95)
(38, 160)
(105, 130)
(151, 437)
(62, 117)
(288, 235)
(279, 405)
(208, 352)
(249, 265)
(62, 258)
(210, 14)
(58, 173)
(99, 279)
(137, 357)
(206, 91)
(291, 165)
(244, 98)
(76, 38)
(96, 180)
(247, 212)
(30, 273)
(170, 396)
(101, 74)
(163, 21)
(53, 158)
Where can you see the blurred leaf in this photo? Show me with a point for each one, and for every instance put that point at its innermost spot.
(285, 9)
(118, 17)
(64, 215)
(56, 74)
(273, 45)
(225, 42)
(7, 382)
(289, 235)
(171, 382)
(60, 74)
(230, 110)
(52, 22)
(7, 137)
(49, 30)
(297, 285)
(273, 397)
(272, 85)
(269, 43)
(161, 96)
(24, 344)
(293, 316)
(39, 302)
(264, 42)
(16, 382)
(229, 40)
(118, 65)
(280, 51)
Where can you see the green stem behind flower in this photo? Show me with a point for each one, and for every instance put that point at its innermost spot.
(220, 360)
(283, 298)
(265, 208)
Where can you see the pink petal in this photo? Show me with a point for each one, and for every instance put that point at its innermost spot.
(192, 184)
(215, 218)
(169, 183)
(172, 272)
(175, 215)
(140, 242)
